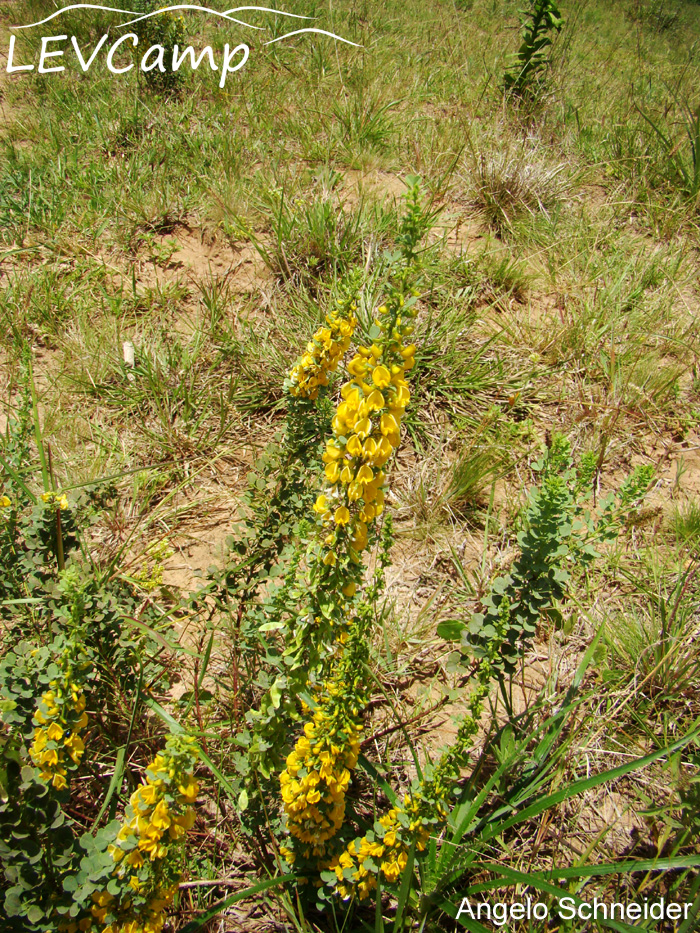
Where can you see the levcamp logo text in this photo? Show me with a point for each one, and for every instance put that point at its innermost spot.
(56, 52)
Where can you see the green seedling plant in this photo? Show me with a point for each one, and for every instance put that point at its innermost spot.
(526, 76)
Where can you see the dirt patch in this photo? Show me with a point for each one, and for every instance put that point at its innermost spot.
(198, 550)
(200, 255)
(374, 184)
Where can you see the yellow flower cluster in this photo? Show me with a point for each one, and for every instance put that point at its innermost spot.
(423, 811)
(388, 847)
(159, 814)
(58, 500)
(58, 721)
(366, 431)
(152, 919)
(323, 352)
(317, 775)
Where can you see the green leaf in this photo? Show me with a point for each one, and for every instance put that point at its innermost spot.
(580, 787)
(197, 924)
(451, 629)
(114, 784)
(276, 694)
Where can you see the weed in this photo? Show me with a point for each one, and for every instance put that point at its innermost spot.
(168, 32)
(526, 76)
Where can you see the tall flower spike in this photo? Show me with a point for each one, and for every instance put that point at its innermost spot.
(366, 432)
(157, 818)
(59, 719)
(318, 772)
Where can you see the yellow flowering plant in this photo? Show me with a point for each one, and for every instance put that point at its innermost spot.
(316, 778)
(385, 853)
(315, 606)
(68, 666)
(42, 727)
(145, 851)
(326, 641)
(318, 771)
(59, 719)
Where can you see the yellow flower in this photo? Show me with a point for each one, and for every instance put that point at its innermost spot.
(359, 541)
(59, 780)
(364, 474)
(75, 746)
(134, 858)
(189, 790)
(357, 366)
(363, 428)
(391, 871)
(375, 400)
(54, 732)
(5, 502)
(144, 796)
(388, 425)
(186, 819)
(49, 757)
(342, 515)
(160, 818)
(354, 446)
(332, 472)
(381, 376)
(355, 491)
(102, 898)
(332, 452)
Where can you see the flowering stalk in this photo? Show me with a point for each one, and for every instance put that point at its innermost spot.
(318, 606)
(316, 778)
(426, 808)
(366, 432)
(385, 851)
(157, 818)
(59, 719)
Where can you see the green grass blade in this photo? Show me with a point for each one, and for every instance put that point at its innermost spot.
(197, 924)
(580, 787)
(405, 889)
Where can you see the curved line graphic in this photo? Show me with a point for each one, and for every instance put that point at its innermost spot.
(185, 6)
(265, 9)
(323, 32)
(203, 9)
(114, 9)
(75, 6)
